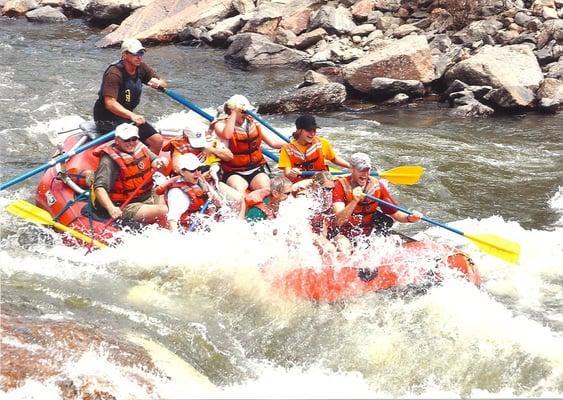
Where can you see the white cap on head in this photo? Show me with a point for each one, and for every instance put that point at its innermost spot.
(188, 161)
(360, 161)
(195, 132)
(126, 131)
(132, 46)
(240, 102)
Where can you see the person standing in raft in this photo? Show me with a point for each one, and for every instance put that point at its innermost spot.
(357, 215)
(265, 203)
(307, 151)
(125, 164)
(243, 137)
(120, 93)
(187, 193)
(198, 140)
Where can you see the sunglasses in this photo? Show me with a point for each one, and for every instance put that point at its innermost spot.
(130, 140)
(138, 54)
(327, 189)
(287, 193)
(191, 171)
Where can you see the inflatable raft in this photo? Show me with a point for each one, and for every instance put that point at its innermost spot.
(415, 265)
(64, 191)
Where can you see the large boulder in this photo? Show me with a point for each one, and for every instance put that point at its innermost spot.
(106, 12)
(405, 59)
(319, 97)
(499, 67)
(46, 14)
(15, 8)
(333, 20)
(163, 20)
(255, 50)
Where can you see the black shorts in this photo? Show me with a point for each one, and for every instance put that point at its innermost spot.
(248, 178)
(145, 131)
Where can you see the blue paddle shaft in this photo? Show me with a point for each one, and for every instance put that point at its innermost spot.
(313, 173)
(209, 117)
(266, 124)
(431, 221)
(58, 160)
(202, 210)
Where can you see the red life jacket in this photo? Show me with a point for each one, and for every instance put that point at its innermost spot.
(245, 145)
(182, 144)
(363, 214)
(133, 170)
(256, 199)
(197, 199)
(312, 160)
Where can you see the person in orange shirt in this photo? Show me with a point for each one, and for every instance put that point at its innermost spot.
(307, 151)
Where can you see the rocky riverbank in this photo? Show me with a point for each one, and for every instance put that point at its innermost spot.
(480, 56)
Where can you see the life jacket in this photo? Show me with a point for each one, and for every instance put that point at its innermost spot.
(129, 95)
(133, 171)
(197, 197)
(313, 158)
(245, 145)
(363, 214)
(181, 144)
(256, 199)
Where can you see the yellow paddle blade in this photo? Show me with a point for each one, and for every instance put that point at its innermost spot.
(497, 246)
(29, 212)
(332, 169)
(404, 175)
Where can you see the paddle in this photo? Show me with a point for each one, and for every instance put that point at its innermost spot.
(29, 212)
(404, 175)
(266, 124)
(491, 244)
(202, 210)
(185, 102)
(57, 160)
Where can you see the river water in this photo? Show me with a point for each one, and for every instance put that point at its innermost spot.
(200, 307)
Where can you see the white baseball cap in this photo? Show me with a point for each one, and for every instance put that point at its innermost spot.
(195, 132)
(360, 161)
(188, 161)
(126, 131)
(239, 101)
(132, 46)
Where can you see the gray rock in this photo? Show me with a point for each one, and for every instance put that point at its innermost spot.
(46, 14)
(552, 89)
(333, 20)
(255, 50)
(320, 97)
(384, 88)
(507, 66)
(511, 97)
(548, 105)
(555, 70)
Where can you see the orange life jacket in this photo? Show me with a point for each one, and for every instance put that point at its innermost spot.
(133, 171)
(197, 199)
(182, 144)
(363, 214)
(256, 199)
(312, 160)
(245, 145)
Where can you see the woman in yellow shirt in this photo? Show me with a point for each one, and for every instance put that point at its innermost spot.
(307, 151)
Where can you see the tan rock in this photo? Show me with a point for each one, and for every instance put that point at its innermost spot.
(162, 20)
(361, 9)
(406, 59)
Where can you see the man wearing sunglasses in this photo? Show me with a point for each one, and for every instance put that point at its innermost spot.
(125, 165)
(187, 193)
(357, 215)
(120, 93)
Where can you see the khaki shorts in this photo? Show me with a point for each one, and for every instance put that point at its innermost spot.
(132, 208)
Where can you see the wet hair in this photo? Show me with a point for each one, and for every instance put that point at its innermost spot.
(320, 178)
(278, 183)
